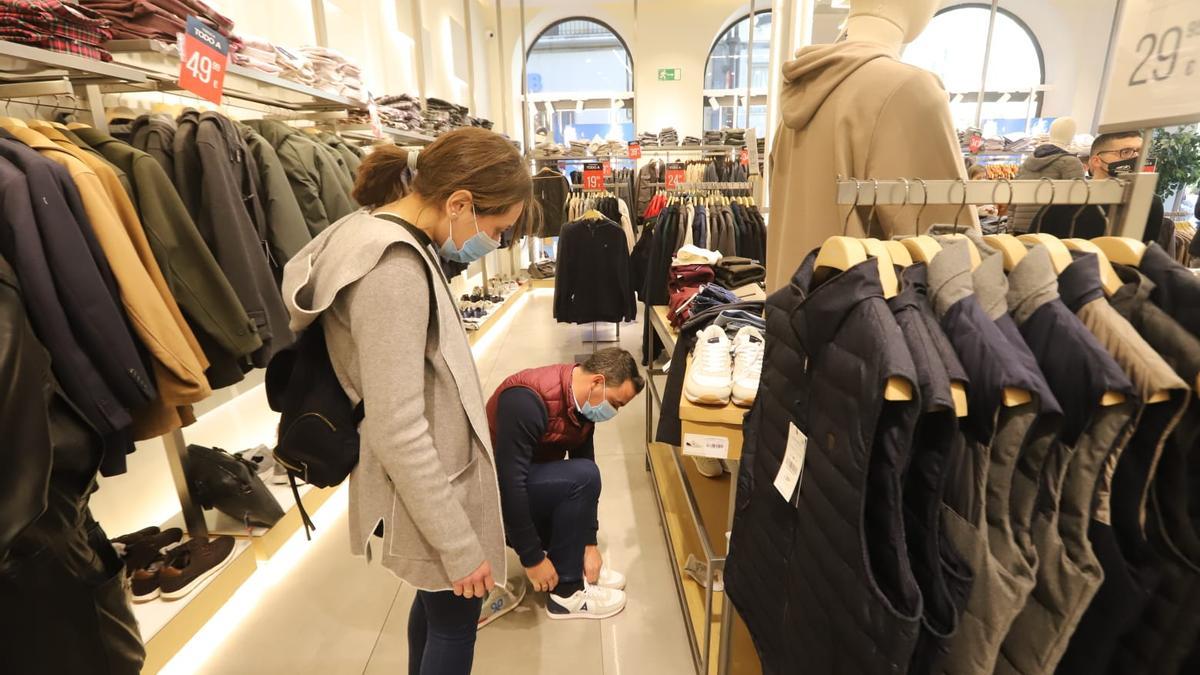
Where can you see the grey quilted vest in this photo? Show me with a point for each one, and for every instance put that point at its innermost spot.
(979, 499)
(822, 579)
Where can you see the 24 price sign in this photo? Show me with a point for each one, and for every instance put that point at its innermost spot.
(675, 175)
(1156, 72)
(593, 176)
(205, 57)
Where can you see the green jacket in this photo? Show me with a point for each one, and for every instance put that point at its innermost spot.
(195, 279)
(347, 153)
(317, 180)
(287, 231)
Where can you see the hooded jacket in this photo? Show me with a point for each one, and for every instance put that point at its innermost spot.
(852, 110)
(1048, 161)
(287, 231)
(426, 468)
(313, 172)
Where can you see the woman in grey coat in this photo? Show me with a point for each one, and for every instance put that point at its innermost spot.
(426, 478)
(1048, 161)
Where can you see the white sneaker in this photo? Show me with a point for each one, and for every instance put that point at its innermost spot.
(610, 578)
(709, 467)
(709, 378)
(593, 602)
(748, 348)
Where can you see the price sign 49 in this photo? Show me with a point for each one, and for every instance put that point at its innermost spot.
(1156, 69)
(205, 56)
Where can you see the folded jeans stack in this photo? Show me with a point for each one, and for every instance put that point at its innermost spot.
(691, 140)
(648, 139)
(734, 272)
(155, 19)
(733, 137)
(668, 136)
(712, 137)
(57, 26)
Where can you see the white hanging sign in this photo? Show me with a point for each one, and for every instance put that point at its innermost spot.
(1155, 73)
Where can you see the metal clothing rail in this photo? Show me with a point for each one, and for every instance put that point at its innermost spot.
(1130, 197)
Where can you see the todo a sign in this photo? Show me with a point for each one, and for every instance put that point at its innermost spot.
(675, 175)
(1155, 73)
(205, 55)
(593, 176)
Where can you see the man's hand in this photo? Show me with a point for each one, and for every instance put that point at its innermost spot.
(592, 562)
(543, 576)
(478, 584)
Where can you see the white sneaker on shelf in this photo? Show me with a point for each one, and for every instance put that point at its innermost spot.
(709, 467)
(593, 602)
(709, 378)
(748, 348)
(610, 578)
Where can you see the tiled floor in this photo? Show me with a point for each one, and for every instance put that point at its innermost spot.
(333, 614)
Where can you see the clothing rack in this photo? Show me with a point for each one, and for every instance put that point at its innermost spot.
(1129, 198)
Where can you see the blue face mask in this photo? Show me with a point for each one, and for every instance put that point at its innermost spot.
(473, 249)
(599, 413)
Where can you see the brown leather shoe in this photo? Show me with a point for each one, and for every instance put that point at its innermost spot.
(192, 562)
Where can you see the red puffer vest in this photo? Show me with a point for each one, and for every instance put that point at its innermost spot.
(564, 428)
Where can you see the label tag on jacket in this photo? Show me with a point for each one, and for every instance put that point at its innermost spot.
(792, 469)
(699, 445)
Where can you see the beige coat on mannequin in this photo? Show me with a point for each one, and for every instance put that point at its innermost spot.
(852, 109)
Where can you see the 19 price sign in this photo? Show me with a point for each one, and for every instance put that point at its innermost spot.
(593, 176)
(205, 56)
(1156, 72)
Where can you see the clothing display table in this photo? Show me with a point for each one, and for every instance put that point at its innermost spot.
(697, 512)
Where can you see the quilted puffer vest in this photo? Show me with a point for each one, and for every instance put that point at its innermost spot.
(822, 578)
(565, 430)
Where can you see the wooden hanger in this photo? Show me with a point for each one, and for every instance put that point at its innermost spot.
(922, 247)
(1122, 250)
(887, 270)
(1060, 257)
(10, 121)
(1008, 245)
(78, 125)
(972, 252)
(1108, 276)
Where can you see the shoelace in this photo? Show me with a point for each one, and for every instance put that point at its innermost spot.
(750, 357)
(713, 357)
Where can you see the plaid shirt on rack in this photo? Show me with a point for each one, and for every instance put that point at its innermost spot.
(55, 25)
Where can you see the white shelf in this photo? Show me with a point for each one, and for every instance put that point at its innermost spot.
(22, 63)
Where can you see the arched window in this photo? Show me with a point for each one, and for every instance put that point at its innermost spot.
(725, 75)
(580, 81)
(952, 47)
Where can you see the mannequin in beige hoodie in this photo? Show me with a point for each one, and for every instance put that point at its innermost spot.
(852, 109)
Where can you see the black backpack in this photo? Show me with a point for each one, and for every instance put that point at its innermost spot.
(318, 426)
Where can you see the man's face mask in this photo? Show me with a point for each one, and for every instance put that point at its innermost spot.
(1122, 167)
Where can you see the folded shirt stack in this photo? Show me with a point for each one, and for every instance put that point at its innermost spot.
(691, 140)
(442, 116)
(155, 19)
(648, 139)
(733, 272)
(712, 137)
(257, 54)
(294, 66)
(57, 26)
(668, 136)
(400, 111)
(733, 137)
(336, 73)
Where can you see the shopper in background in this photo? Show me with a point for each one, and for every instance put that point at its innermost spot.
(1112, 156)
(543, 421)
(426, 479)
(1048, 161)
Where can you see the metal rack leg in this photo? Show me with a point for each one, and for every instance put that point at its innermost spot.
(177, 458)
(726, 639)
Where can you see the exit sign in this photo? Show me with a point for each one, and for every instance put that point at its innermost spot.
(670, 74)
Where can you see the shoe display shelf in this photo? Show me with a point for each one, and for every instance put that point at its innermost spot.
(697, 512)
(493, 317)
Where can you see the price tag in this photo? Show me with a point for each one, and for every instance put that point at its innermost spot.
(593, 176)
(699, 445)
(1155, 71)
(635, 150)
(205, 57)
(376, 122)
(607, 169)
(675, 175)
(792, 469)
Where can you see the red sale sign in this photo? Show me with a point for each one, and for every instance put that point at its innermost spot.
(205, 57)
(676, 175)
(635, 150)
(607, 169)
(744, 157)
(593, 176)
(976, 143)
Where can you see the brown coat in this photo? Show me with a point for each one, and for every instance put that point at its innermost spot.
(177, 359)
(852, 110)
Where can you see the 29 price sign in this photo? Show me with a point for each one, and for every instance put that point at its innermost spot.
(205, 57)
(593, 176)
(1156, 69)
(675, 175)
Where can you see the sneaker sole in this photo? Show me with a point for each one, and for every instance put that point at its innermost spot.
(744, 402)
(175, 595)
(708, 398)
(491, 619)
(573, 615)
(138, 599)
